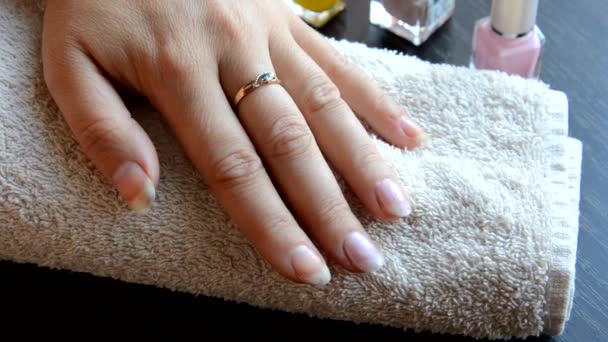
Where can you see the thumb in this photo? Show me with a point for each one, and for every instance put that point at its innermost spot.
(103, 126)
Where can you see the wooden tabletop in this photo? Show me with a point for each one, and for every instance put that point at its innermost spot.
(575, 62)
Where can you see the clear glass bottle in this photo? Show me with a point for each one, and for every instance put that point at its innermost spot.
(509, 40)
(317, 12)
(414, 20)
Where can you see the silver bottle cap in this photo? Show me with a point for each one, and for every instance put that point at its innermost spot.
(513, 18)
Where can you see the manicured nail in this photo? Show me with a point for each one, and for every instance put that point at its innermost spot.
(134, 185)
(392, 198)
(422, 139)
(309, 267)
(362, 253)
(410, 128)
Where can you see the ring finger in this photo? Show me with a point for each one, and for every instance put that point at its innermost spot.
(284, 140)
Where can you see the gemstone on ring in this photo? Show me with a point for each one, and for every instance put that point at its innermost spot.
(263, 79)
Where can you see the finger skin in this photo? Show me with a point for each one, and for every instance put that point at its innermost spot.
(221, 150)
(341, 135)
(101, 123)
(360, 91)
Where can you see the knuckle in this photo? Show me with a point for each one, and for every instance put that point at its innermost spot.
(367, 155)
(274, 226)
(98, 136)
(380, 102)
(339, 65)
(228, 24)
(322, 95)
(334, 212)
(289, 137)
(174, 63)
(236, 168)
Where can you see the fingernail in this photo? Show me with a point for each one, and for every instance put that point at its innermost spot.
(309, 267)
(422, 139)
(410, 128)
(134, 185)
(362, 253)
(392, 198)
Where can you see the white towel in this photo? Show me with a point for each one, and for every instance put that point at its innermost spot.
(488, 252)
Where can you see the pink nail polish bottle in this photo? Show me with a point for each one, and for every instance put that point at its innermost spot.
(509, 39)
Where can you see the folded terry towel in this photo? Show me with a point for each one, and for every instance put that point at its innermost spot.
(488, 252)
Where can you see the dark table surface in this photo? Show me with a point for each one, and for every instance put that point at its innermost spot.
(575, 61)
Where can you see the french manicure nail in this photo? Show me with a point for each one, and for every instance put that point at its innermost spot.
(422, 139)
(410, 128)
(392, 198)
(362, 252)
(309, 267)
(134, 185)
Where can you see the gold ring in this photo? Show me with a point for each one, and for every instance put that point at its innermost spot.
(262, 79)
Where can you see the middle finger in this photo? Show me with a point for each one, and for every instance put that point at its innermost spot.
(284, 140)
(341, 135)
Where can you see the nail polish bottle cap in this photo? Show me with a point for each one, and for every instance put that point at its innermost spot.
(513, 18)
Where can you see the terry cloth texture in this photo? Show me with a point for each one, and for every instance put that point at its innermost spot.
(489, 250)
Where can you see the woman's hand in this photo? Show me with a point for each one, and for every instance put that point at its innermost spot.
(190, 58)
